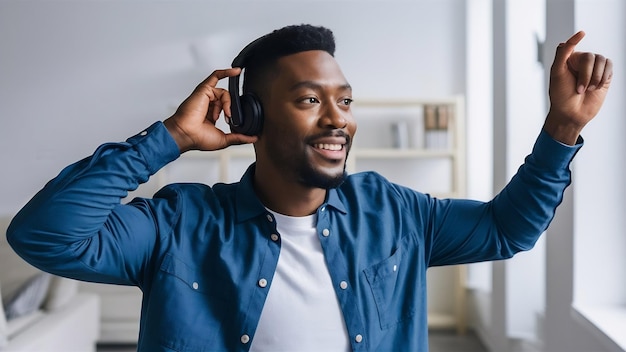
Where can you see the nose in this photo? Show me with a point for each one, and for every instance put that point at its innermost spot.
(334, 117)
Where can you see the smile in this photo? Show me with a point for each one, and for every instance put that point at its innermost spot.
(327, 146)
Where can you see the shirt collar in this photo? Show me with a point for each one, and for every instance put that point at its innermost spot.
(333, 200)
(248, 205)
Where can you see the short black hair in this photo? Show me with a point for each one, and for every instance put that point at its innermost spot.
(262, 53)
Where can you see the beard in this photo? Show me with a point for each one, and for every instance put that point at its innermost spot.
(292, 160)
(311, 177)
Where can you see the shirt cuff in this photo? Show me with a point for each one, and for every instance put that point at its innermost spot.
(156, 145)
(550, 152)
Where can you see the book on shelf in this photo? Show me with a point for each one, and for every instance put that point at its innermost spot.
(437, 134)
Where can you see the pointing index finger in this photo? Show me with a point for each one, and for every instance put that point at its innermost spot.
(565, 50)
(217, 75)
(576, 38)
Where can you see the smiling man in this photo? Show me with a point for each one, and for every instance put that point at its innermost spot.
(307, 132)
(298, 255)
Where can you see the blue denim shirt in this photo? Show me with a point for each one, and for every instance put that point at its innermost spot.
(198, 252)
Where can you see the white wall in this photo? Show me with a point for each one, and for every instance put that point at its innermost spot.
(586, 245)
(510, 294)
(76, 74)
(526, 96)
(597, 218)
(600, 229)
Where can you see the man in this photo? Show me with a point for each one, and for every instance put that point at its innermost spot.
(297, 256)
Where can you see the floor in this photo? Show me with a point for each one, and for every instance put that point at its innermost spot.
(440, 341)
(444, 341)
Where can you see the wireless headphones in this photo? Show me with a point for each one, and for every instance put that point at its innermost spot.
(246, 110)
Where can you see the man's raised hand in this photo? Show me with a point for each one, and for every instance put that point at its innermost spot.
(193, 124)
(579, 82)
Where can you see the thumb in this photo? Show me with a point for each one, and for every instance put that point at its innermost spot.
(238, 138)
(565, 50)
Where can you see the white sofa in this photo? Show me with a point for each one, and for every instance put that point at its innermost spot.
(66, 320)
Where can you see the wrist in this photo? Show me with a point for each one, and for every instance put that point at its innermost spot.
(561, 129)
(183, 141)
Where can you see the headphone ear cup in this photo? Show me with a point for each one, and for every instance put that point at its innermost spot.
(252, 115)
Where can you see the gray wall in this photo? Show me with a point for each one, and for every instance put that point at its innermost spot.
(76, 74)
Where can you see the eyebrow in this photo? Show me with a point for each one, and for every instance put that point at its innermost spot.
(316, 86)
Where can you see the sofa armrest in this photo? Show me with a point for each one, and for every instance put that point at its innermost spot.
(73, 327)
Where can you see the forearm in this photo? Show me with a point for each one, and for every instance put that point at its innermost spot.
(469, 231)
(526, 206)
(71, 215)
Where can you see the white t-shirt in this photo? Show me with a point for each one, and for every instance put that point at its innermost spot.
(301, 312)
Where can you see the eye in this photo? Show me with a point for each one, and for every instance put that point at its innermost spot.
(310, 100)
(346, 101)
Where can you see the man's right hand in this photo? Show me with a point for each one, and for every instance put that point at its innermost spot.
(193, 124)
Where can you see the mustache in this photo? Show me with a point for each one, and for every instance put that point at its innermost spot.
(331, 133)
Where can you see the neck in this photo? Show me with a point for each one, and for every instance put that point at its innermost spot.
(286, 196)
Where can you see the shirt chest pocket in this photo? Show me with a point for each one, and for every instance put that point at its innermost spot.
(395, 284)
(188, 275)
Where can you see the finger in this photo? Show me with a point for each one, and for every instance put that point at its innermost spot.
(221, 103)
(217, 75)
(238, 138)
(214, 111)
(607, 74)
(216, 105)
(226, 102)
(597, 73)
(582, 65)
(565, 50)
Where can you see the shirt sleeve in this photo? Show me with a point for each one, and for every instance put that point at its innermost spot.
(76, 225)
(464, 231)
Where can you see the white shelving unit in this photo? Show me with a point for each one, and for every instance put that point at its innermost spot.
(391, 140)
(410, 156)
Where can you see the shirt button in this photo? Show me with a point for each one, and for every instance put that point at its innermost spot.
(343, 285)
(143, 133)
(323, 208)
(269, 218)
(274, 237)
(358, 338)
(194, 285)
(326, 232)
(245, 339)
(263, 283)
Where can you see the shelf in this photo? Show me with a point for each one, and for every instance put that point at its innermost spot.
(391, 153)
(439, 321)
(238, 151)
(248, 152)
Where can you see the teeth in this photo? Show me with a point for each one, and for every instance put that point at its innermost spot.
(334, 147)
